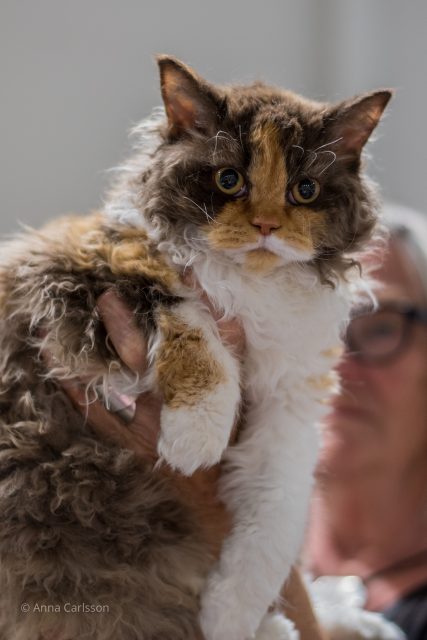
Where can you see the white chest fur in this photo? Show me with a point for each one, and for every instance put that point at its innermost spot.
(292, 323)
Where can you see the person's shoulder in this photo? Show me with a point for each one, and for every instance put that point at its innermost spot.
(410, 613)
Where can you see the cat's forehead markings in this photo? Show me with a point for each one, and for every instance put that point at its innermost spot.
(267, 170)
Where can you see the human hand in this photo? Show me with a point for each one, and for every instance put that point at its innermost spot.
(141, 432)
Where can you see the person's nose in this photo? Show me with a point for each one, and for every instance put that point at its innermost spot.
(350, 368)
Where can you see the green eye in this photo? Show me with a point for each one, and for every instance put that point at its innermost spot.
(304, 191)
(230, 181)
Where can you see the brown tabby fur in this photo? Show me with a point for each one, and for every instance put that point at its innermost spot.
(80, 520)
(85, 522)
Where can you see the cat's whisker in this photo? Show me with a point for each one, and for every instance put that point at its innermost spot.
(203, 209)
(334, 157)
(350, 243)
(310, 164)
(212, 208)
(293, 175)
(327, 144)
(192, 175)
(297, 146)
(190, 261)
(225, 136)
(240, 137)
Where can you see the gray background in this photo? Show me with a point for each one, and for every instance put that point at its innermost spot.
(76, 75)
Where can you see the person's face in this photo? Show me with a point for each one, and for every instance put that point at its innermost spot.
(379, 420)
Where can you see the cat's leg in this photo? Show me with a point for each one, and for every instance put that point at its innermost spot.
(199, 380)
(267, 488)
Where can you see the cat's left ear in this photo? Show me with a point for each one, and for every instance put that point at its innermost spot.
(352, 122)
(190, 102)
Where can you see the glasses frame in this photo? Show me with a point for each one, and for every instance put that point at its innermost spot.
(411, 313)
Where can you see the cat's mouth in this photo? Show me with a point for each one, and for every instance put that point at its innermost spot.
(269, 252)
(283, 249)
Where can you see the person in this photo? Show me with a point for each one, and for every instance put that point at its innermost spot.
(369, 510)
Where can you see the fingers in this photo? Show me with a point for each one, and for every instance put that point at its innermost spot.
(298, 607)
(140, 432)
(125, 335)
(139, 436)
(103, 422)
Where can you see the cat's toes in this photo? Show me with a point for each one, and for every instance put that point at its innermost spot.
(357, 624)
(274, 626)
(337, 603)
(196, 436)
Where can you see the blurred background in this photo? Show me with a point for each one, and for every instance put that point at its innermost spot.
(76, 76)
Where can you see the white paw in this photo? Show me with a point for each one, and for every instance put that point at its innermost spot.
(338, 605)
(196, 436)
(357, 624)
(274, 626)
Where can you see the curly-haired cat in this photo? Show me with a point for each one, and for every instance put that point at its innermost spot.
(260, 191)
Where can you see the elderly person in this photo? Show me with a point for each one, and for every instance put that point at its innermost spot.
(369, 512)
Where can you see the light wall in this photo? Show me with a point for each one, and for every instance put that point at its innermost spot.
(77, 75)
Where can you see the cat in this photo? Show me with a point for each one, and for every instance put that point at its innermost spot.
(261, 193)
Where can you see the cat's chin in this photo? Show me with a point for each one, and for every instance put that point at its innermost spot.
(264, 260)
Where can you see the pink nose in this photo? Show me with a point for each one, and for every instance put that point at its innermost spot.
(265, 225)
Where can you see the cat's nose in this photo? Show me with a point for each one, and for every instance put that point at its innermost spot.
(265, 225)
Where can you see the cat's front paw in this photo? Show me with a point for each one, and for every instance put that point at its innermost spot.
(338, 605)
(196, 436)
(274, 626)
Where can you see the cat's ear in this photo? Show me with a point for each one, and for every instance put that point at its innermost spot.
(352, 122)
(190, 102)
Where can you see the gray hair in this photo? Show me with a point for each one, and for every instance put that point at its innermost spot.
(409, 228)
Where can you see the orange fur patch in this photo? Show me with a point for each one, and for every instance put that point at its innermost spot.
(267, 174)
(232, 229)
(333, 352)
(185, 369)
(85, 245)
(325, 382)
(301, 227)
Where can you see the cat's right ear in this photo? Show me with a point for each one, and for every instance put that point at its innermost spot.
(190, 102)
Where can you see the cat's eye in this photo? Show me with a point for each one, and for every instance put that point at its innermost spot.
(304, 192)
(230, 181)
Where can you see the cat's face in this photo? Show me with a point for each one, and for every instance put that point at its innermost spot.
(263, 175)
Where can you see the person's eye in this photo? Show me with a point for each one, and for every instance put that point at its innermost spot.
(230, 181)
(304, 192)
(381, 330)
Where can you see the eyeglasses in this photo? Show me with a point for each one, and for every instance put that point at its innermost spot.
(381, 335)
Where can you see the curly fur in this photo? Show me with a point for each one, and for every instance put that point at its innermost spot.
(81, 521)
